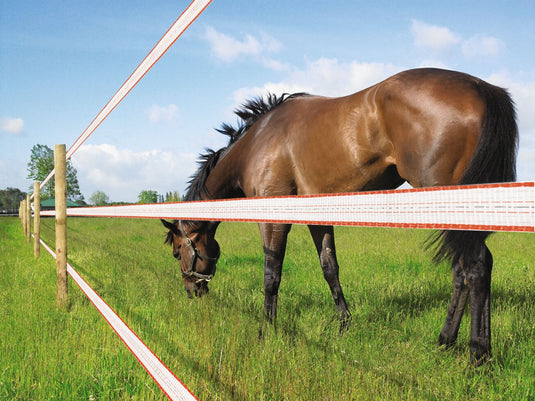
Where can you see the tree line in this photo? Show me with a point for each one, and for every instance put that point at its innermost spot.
(10, 200)
(99, 198)
(42, 163)
(150, 196)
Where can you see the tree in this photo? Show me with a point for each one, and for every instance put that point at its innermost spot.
(172, 197)
(10, 199)
(41, 164)
(148, 196)
(99, 198)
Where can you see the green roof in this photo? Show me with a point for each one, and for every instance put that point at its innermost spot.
(51, 203)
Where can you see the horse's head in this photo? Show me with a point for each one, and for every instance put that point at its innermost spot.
(197, 251)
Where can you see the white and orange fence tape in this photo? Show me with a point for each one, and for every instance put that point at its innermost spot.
(487, 207)
(168, 382)
(191, 13)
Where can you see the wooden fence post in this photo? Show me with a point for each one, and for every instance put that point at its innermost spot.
(28, 219)
(24, 225)
(61, 224)
(24, 221)
(36, 220)
(21, 213)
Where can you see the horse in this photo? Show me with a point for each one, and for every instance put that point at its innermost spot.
(427, 127)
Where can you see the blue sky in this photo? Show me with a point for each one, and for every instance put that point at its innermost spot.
(61, 61)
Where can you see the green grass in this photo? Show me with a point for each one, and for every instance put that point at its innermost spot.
(397, 296)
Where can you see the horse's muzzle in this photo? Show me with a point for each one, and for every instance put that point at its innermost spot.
(197, 289)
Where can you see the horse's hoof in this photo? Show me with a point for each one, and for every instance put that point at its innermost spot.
(446, 341)
(344, 324)
(480, 355)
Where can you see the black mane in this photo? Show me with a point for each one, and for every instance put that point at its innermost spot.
(248, 113)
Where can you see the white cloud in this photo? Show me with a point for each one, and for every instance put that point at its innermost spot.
(227, 48)
(483, 46)
(433, 37)
(269, 43)
(123, 173)
(11, 125)
(273, 64)
(324, 76)
(432, 63)
(330, 77)
(159, 114)
(441, 40)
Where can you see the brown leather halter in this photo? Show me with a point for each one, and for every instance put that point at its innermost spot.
(194, 255)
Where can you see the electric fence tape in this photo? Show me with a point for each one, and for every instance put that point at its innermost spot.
(486, 207)
(168, 382)
(181, 24)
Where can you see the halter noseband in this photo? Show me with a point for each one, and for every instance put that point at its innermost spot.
(194, 255)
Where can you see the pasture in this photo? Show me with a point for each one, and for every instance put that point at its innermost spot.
(398, 300)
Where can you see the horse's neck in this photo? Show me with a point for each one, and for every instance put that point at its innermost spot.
(222, 182)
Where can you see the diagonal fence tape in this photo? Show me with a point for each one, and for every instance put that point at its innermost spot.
(168, 382)
(195, 8)
(486, 207)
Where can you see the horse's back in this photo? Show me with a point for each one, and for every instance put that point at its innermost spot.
(420, 126)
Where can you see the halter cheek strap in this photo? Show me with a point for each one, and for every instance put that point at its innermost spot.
(193, 259)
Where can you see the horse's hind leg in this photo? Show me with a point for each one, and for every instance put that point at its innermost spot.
(471, 274)
(323, 237)
(478, 276)
(448, 335)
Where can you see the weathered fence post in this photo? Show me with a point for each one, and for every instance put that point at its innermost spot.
(28, 219)
(36, 220)
(61, 224)
(21, 215)
(24, 216)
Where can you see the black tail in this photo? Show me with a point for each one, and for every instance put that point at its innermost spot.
(494, 160)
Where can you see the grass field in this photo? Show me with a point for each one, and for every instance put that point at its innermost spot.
(397, 296)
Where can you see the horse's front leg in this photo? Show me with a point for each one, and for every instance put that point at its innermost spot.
(323, 237)
(274, 238)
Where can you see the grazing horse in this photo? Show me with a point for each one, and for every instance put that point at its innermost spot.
(427, 127)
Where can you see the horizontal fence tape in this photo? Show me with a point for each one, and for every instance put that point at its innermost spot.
(487, 207)
(181, 24)
(168, 382)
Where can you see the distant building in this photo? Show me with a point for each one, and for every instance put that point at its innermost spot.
(50, 204)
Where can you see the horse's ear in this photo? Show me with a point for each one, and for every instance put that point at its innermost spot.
(170, 226)
(212, 225)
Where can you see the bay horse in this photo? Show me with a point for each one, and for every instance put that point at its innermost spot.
(427, 127)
